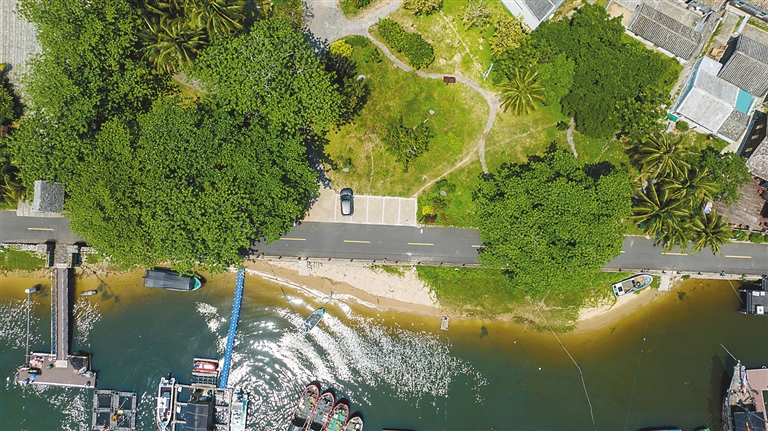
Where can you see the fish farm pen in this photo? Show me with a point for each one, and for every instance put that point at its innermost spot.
(114, 410)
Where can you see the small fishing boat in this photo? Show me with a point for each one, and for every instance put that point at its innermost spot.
(355, 423)
(338, 417)
(33, 289)
(314, 319)
(304, 408)
(166, 279)
(322, 413)
(166, 392)
(239, 412)
(632, 284)
(205, 367)
(89, 292)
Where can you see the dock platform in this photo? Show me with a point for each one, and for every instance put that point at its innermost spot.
(216, 403)
(45, 369)
(114, 410)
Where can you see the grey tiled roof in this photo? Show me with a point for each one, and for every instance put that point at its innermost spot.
(664, 31)
(735, 125)
(49, 197)
(542, 8)
(747, 67)
(758, 161)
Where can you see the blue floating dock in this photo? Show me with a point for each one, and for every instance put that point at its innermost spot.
(232, 328)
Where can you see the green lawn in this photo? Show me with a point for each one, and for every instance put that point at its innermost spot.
(16, 260)
(351, 12)
(458, 50)
(460, 115)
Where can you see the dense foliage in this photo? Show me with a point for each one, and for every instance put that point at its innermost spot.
(552, 220)
(418, 51)
(188, 184)
(619, 86)
(508, 32)
(422, 7)
(271, 73)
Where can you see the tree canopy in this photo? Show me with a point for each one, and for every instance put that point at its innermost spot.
(186, 185)
(551, 220)
(271, 73)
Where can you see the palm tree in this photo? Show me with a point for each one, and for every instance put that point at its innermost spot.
(662, 217)
(710, 230)
(662, 156)
(172, 45)
(694, 187)
(13, 192)
(217, 17)
(522, 92)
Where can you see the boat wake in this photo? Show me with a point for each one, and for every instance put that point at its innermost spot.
(216, 323)
(13, 324)
(86, 313)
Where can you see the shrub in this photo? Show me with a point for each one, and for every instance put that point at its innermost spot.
(359, 4)
(476, 14)
(739, 235)
(683, 126)
(507, 35)
(756, 238)
(341, 48)
(422, 7)
(419, 51)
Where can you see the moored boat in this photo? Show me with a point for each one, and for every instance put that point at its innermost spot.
(166, 392)
(322, 413)
(338, 418)
(89, 292)
(171, 280)
(304, 408)
(313, 319)
(206, 367)
(632, 284)
(355, 423)
(744, 405)
(239, 412)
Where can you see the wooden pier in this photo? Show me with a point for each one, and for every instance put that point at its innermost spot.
(114, 410)
(59, 368)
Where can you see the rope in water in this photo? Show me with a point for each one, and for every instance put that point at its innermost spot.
(710, 333)
(734, 291)
(581, 373)
(637, 370)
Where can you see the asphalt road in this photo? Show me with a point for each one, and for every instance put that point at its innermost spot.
(372, 242)
(639, 253)
(35, 230)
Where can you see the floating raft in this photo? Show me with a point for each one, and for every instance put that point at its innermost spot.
(444, 323)
(114, 410)
(224, 376)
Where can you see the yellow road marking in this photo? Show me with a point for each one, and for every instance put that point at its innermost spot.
(673, 254)
(420, 243)
(293, 239)
(357, 241)
(477, 246)
(622, 252)
(738, 257)
(39, 228)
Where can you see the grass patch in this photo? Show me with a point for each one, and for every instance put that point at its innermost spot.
(352, 12)
(456, 207)
(17, 260)
(389, 269)
(188, 95)
(762, 27)
(460, 115)
(490, 293)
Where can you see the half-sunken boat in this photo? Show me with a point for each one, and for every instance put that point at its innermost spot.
(166, 392)
(338, 418)
(313, 319)
(239, 412)
(322, 413)
(171, 280)
(632, 284)
(744, 404)
(304, 408)
(355, 423)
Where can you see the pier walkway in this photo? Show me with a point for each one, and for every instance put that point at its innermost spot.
(232, 328)
(60, 313)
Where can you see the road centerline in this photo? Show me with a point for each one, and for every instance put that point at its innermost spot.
(293, 239)
(737, 257)
(673, 254)
(421, 243)
(357, 241)
(39, 228)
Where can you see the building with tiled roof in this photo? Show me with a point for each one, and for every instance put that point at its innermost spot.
(665, 32)
(756, 8)
(747, 66)
(532, 12)
(712, 104)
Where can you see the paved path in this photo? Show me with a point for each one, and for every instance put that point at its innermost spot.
(327, 22)
(18, 41)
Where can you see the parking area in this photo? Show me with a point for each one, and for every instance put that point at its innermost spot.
(384, 210)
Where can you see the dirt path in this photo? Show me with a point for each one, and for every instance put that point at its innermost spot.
(327, 22)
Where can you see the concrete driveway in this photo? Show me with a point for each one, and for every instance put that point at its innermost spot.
(385, 210)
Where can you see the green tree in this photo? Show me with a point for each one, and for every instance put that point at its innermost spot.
(476, 14)
(694, 188)
(187, 185)
(551, 220)
(729, 171)
(407, 143)
(171, 45)
(508, 33)
(271, 73)
(422, 7)
(556, 78)
(661, 216)
(709, 230)
(663, 155)
(522, 92)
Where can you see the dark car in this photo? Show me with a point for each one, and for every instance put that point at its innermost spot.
(347, 202)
